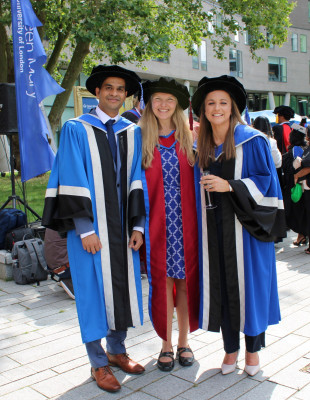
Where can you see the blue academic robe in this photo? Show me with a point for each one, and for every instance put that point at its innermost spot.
(252, 217)
(82, 184)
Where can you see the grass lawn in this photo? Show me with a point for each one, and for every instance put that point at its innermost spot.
(35, 192)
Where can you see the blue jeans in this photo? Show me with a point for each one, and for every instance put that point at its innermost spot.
(115, 345)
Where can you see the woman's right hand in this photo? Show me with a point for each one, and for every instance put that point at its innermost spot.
(213, 183)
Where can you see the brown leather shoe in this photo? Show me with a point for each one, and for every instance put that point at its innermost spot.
(105, 379)
(125, 363)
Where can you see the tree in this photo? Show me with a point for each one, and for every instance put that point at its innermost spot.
(81, 32)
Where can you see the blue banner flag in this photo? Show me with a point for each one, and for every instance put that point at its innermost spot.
(247, 116)
(32, 84)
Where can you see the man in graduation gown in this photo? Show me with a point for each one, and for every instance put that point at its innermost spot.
(282, 129)
(95, 195)
(281, 133)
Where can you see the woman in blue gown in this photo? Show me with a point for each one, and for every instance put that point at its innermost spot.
(237, 259)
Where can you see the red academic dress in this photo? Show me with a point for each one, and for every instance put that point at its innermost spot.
(155, 240)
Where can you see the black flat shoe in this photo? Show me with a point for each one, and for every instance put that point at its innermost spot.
(185, 361)
(301, 241)
(166, 366)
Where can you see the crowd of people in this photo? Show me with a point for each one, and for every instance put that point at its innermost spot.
(204, 214)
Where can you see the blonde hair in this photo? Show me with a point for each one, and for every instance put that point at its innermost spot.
(150, 136)
(205, 143)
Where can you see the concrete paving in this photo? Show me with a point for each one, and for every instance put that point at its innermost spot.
(42, 355)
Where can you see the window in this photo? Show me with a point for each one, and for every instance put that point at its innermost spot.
(277, 69)
(269, 37)
(257, 101)
(236, 34)
(203, 55)
(200, 57)
(247, 38)
(219, 21)
(303, 43)
(308, 10)
(162, 59)
(235, 63)
(294, 41)
(195, 58)
(210, 23)
(279, 99)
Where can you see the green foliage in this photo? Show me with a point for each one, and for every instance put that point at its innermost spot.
(138, 30)
(120, 31)
(5, 12)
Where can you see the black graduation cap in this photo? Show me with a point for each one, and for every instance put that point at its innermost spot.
(224, 82)
(166, 85)
(286, 111)
(101, 72)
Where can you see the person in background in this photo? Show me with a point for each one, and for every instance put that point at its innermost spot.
(295, 213)
(282, 129)
(237, 256)
(56, 256)
(303, 122)
(95, 195)
(282, 132)
(135, 113)
(171, 222)
(302, 176)
(262, 124)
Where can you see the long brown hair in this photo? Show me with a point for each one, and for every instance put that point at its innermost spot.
(150, 136)
(205, 142)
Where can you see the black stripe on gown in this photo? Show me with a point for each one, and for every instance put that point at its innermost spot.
(222, 252)
(118, 246)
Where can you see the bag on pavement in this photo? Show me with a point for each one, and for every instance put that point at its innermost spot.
(16, 235)
(10, 218)
(29, 265)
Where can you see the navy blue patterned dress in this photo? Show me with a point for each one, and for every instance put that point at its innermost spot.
(174, 227)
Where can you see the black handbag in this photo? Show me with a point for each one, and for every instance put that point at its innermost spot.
(16, 235)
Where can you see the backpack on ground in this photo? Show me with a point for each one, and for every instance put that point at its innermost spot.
(10, 218)
(29, 265)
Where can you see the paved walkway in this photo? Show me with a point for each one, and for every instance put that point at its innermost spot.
(42, 356)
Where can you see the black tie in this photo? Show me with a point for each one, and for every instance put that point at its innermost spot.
(111, 138)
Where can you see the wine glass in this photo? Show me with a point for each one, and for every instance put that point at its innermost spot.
(209, 206)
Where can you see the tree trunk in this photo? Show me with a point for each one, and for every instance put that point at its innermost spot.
(3, 54)
(52, 61)
(10, 62)
(72, 73)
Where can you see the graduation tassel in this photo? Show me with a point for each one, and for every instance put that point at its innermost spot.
(142, 104)
(190, 118)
